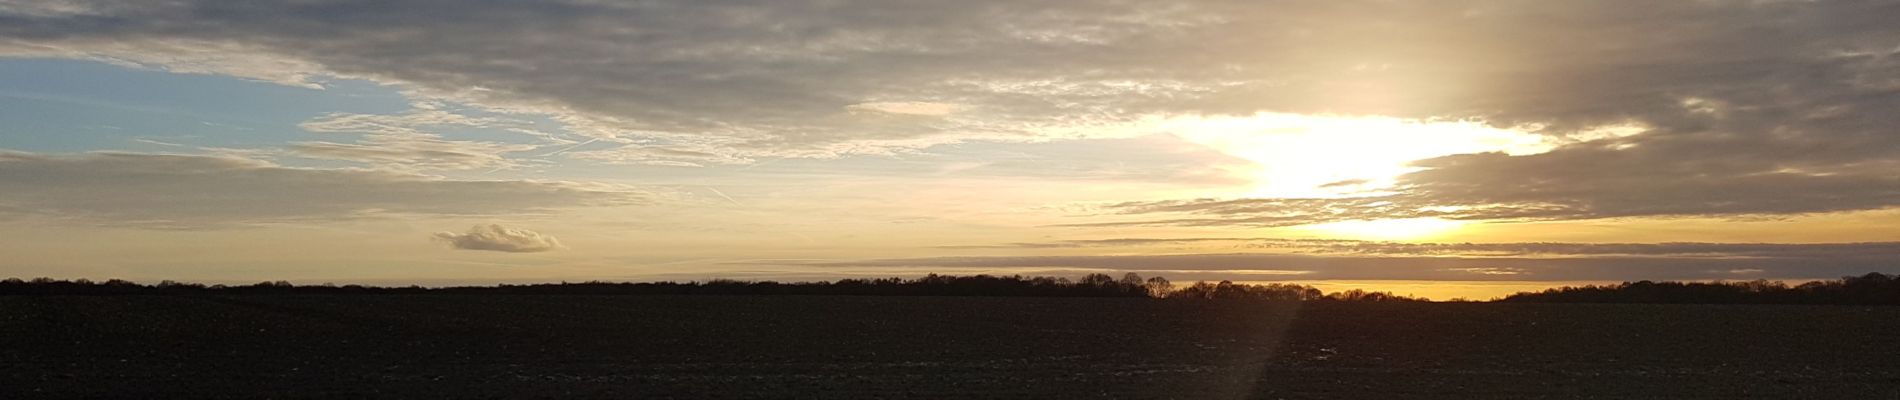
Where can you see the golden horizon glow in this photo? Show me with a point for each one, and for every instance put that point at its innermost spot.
(1443, 290)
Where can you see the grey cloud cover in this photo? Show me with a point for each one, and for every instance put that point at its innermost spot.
(190, 192)
(1247, 266)
(492, 237)
(1558, 249)
(1749, 107)
(1316, 259)
(1571, 183)
(781, 68)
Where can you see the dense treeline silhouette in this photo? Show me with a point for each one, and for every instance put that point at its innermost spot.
(1872, 288)
(1092, 285)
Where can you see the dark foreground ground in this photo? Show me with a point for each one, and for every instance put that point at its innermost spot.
(831, 347)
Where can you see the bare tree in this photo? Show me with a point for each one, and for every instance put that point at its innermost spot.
(1159, 287)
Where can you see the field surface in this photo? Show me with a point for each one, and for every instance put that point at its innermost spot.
(436, 346)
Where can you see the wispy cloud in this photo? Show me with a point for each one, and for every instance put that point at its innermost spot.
(157, 142)
(1572, 183)
(416, 153)
(1731, 109)
(412, 141)
(1356, 259)
(709, 77)
(1537, 249)
(184, 191)
(1363, 267)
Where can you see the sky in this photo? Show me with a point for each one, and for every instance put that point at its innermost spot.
(1443, 148)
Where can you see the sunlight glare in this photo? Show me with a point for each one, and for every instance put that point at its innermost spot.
(1329, 156)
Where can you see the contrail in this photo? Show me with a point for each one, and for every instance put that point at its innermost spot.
(589, 141)
(723, 195)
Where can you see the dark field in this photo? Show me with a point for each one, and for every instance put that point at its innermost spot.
(945, 347)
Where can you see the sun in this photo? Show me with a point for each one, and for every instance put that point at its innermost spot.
(1330, 156)
(1341, 156)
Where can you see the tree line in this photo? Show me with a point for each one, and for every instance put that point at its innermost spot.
(1870, 289)
(1092, 285)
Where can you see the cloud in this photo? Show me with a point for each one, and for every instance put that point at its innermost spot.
(1355, 259)
(1744, 107)
(1136, 242)
(1350, 267)
(906, 107)
(715, 68)
(195, 192)
(1674, 249)
(1489, 270)
(1870, 250)
(415, 122)
(403, 142)
(658, 155)
(498, 238)
(416, 153)
(1267, 212)
(1594, 181)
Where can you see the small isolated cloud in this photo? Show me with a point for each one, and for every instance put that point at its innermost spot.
(500, 238)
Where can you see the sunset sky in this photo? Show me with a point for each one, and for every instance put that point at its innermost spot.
(1438, 148)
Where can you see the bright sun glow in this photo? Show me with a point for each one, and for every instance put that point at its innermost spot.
(1334, 156)
(1339, 156)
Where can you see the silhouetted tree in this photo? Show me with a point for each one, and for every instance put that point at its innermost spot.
(1131, 279)
(1362, 295)
(1872, 288)
(1228, 290)
(1097, 280)
(1159, 287)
